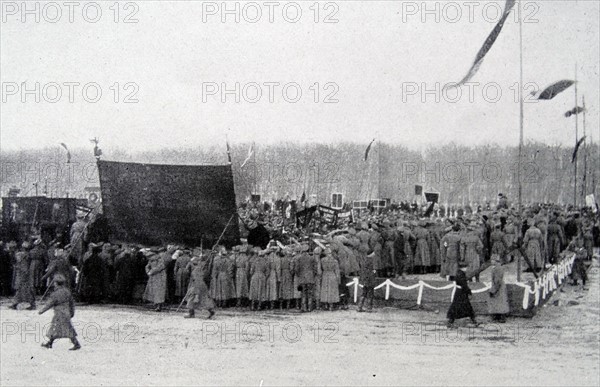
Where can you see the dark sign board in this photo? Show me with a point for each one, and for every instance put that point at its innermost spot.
(158, 204)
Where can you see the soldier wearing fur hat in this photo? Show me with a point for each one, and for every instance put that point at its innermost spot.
(181, 273)
(498, 240)
(22, 278)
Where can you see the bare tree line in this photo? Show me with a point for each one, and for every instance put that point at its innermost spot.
(462, 174)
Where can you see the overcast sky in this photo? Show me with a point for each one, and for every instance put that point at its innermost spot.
(370, 59)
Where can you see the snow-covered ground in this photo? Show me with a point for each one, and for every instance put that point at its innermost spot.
(135, 346)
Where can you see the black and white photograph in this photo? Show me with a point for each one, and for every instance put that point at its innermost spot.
(300, 193)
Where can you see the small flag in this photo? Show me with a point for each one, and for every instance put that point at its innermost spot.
(577, 149)
(68, 153)
(554, 89)
(575, 110)
(487, 45)
(228, 150)
(250, 153)
(368, 149)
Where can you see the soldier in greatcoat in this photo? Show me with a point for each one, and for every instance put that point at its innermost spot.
(330, 280)
(22, 278)
(64, 310)
(197, 294)
(259, 269)
(287, 277)
(242, 274)
(498, 305)
(156, 288)
(273, 277)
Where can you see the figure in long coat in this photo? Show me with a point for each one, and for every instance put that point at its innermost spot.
(182, 275)
(450, 252)
(259, 270)
(92, 286)
(242, 275)
(224, 287)
(461, 305)
(125, 273)
(273, 278)
(422, 258)
(330, 280)
(287, 277)
(156, 288)
(368, 280)
(471, 249)
(533, 245)
(498, 242)
(318, 275)
(38, 257)
(64, 310)
(498, 305)
(22, 279)
(197, 294)
(556, 241)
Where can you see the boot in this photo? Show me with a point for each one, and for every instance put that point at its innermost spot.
(362, 304)
(158, 308)
(370, 304)
(48, 344)
(211, 313)
(287, 304)
(239, 302)
(272, 305)
(191, 314)
(303, 307)
(76, 345)
(13, 306)
(31, 307)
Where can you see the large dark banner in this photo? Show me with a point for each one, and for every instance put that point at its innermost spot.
(158, 204)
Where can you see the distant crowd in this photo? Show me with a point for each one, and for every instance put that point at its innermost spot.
(299, 267)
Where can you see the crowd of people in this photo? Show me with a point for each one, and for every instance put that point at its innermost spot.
(306, 269)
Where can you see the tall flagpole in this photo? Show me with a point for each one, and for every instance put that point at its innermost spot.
(576, 139)
(520, 109)
(584, 183)
(520, 126)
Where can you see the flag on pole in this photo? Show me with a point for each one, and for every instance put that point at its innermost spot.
(554, 89)
(577, 149)
(250, 153)
(68, 153)
(487, 45)
(575, 110)
(368, 149)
